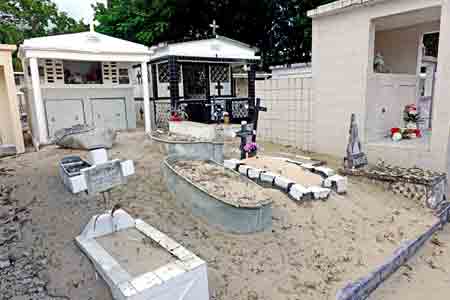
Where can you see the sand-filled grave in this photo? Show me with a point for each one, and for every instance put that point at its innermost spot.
(285, 169)
(224, 184)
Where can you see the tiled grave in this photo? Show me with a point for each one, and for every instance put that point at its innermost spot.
(138, 262)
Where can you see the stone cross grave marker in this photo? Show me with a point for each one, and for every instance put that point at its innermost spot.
(103, 177)
(355, 157)
(244, 134)
(257, 109)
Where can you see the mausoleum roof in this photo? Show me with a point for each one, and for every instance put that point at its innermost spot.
(219, 47)
(83, 43)
(339, 6)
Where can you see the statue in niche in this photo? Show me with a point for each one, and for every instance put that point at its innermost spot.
(379, 65)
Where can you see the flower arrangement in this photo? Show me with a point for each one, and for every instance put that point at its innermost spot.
(398, 134)
(175, 117)
(250, 147)
(411, 131)
(411, 116)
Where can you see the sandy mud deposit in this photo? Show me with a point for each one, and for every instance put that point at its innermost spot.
(312, 251)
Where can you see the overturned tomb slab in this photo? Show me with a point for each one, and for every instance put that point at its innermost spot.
(138, 262)
(85, 137)
(221, 196)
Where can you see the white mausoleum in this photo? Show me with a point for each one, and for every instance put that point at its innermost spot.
(413, 39)
(82, 78)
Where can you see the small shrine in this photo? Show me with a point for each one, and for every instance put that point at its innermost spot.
(193, 80)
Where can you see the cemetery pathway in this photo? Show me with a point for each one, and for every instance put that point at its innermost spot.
(312, 250)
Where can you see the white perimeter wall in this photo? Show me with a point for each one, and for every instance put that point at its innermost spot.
(288, 119)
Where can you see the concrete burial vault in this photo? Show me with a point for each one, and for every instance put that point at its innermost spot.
(96, 175)
(138, 262)
(221, 196)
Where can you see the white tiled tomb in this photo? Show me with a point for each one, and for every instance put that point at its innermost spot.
(95, 176)
(139, 262)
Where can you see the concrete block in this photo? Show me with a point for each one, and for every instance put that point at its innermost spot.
(231, 164)
(298, 192)
(243, 169)
(337, 182)
(268, 177)
(98, 156)
(77, 184)
(254, 173)
(324, 171)
(127, 168)
(319, 192)
(283, 182)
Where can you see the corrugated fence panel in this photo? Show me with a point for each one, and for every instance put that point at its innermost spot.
(289, 102)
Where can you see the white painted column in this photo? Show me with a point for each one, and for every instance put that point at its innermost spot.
(41, 130)
(146, 96)
(440, 158)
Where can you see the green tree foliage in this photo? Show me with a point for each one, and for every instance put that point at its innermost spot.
(142, 21)
(279, 28)
(22, 19)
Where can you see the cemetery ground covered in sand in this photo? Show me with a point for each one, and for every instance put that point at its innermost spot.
(313, 249)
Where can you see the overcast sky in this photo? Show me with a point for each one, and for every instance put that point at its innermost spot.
(78, 8)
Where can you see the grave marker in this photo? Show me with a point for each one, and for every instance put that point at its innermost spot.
(103, 177)
(244, 133)
(355, 157)
(257, 109)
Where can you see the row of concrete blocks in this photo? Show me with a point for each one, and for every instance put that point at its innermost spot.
(294, 189)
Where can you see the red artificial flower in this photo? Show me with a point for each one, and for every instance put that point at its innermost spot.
(418, 133)
(394, 130)
(175, 117)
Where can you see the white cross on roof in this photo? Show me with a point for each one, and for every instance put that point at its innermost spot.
(214, 26)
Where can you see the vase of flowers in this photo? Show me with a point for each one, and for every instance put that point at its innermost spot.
(175, 117)
(250, 149)
(411, 116)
